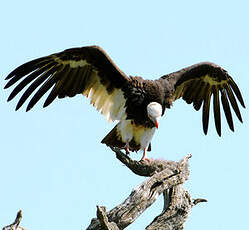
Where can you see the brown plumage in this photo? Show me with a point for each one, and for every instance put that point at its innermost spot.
(91, 72)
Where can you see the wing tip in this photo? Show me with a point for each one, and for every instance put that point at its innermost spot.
(28, 108)
(8, 84)
(45, 105)
(240, 119)
(9, 76)
(17, 107)
(9, 99)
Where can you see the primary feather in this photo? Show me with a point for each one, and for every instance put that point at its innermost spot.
(91, 72)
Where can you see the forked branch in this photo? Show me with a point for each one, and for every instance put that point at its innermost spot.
(166, 177)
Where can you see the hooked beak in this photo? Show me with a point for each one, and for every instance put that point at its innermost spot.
(156, 123)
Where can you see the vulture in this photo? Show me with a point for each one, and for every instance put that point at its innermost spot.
(136, 104)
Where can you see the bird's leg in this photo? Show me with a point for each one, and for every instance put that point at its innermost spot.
(144, 158)
(127, 148)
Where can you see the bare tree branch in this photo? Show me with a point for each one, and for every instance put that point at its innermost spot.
(15, 224)
(144, 168)
(105, 225)
(199, 200)
(165, 177)
(175, 216)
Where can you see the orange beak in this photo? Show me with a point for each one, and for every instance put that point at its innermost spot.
(156, 124)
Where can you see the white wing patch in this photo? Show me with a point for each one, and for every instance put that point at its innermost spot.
(111, 105)
(206, 79)
(72, 63)
(179, 91)
(211, 81)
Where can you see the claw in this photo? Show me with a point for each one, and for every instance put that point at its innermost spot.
(144, 158)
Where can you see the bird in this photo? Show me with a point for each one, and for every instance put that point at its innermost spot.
(134, 103)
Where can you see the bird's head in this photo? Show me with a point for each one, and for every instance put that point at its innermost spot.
(154, 112)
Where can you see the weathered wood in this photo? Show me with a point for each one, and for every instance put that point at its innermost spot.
(15, 224)
(144, 168)
(176, 214)
(174, 217)
(105, 224)
(165, 177)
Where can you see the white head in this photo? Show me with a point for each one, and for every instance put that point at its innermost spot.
(154, 111)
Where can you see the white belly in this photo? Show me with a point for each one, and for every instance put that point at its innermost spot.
(141, 135)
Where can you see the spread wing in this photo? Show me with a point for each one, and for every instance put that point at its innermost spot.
(197, 83)
(87, 70)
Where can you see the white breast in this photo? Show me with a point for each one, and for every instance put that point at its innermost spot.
(142, 135)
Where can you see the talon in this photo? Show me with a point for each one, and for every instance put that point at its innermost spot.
(144, 158)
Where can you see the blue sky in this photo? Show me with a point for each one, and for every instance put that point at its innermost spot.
(53, 166)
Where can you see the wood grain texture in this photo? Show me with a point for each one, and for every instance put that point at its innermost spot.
(164, 177)
(16, 223)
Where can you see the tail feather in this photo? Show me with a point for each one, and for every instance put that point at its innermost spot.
(113, 139)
